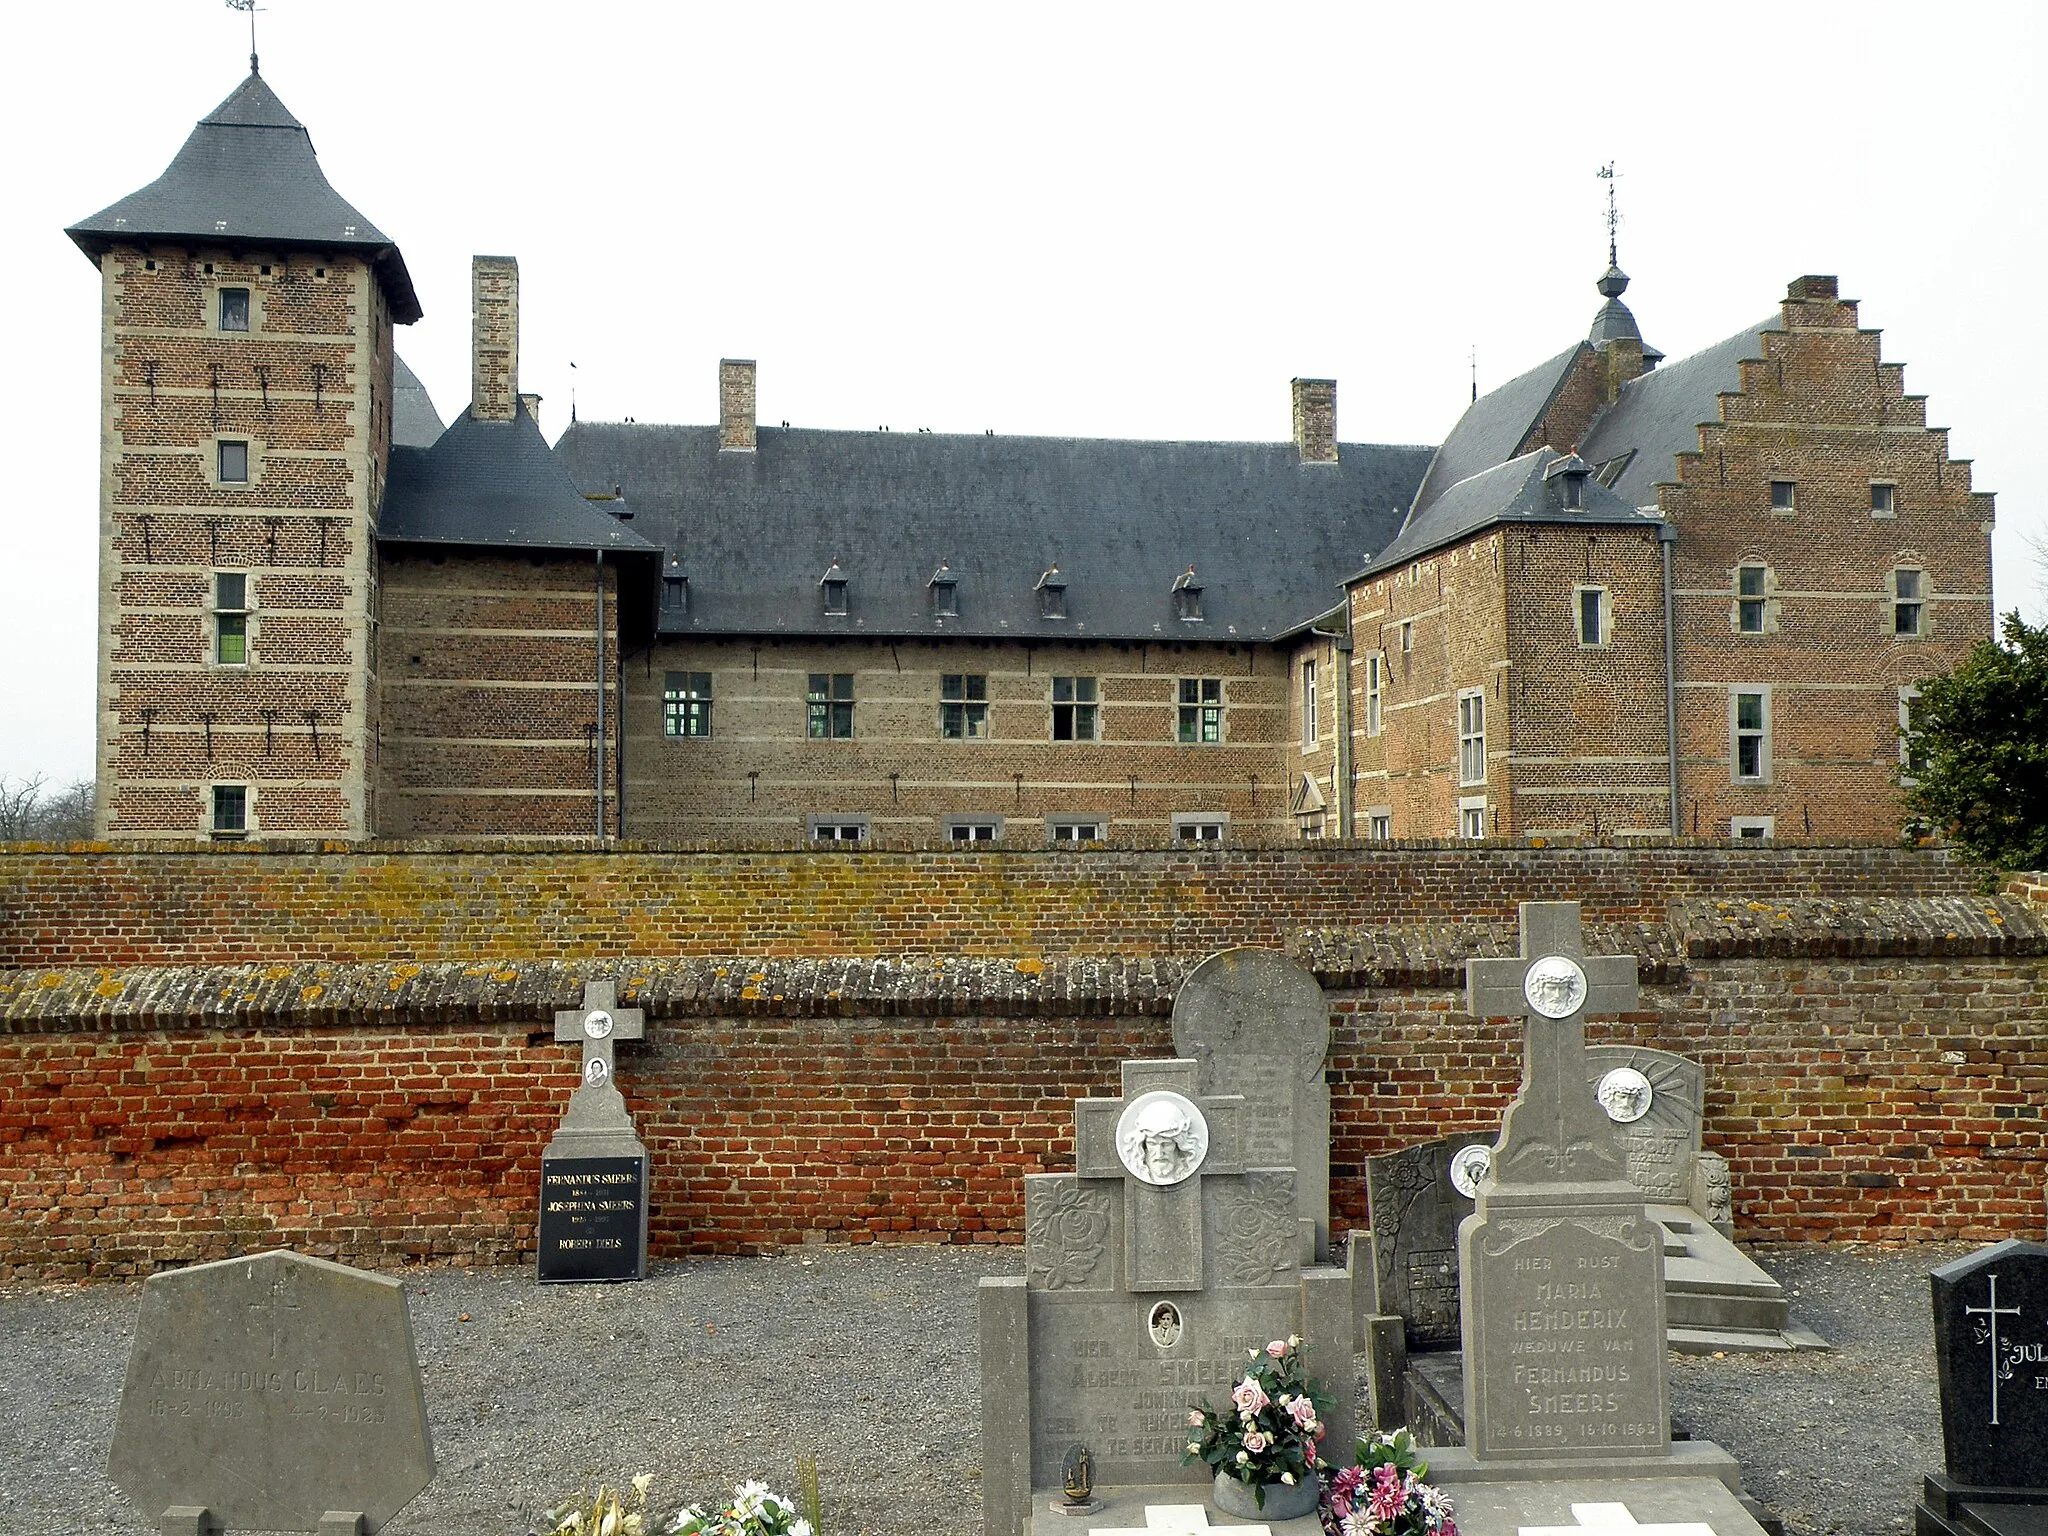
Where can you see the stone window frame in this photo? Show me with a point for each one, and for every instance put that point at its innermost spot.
(1884, 498)
(1407, 636)
(1911, 766)
(210, 460)
(1078, 710)
(1603, 616)
(1784, 495)
(220, 309)
(1069, 825)
(1471, 735)
(1200, 826)
(1199, 712)
(1379, 823)
(969, 827)
(686, 712)
(1311, 699)
(833, 828)
(1909, 609)
(1375, 688)
(824, 715)
(1752, 829)
(243, 802)
(1763, 732)
(242, 614)
(1761, 601)
(1471, 818)
(963, 706)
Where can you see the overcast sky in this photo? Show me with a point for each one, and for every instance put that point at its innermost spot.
(1106, 220)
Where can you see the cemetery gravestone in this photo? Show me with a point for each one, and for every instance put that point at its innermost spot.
(593, 1174)
(273, 1393)
(1150, 1272)
(1258, 1025)
(1991, 1360)
(1417, 1198)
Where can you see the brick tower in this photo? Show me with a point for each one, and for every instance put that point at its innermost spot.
(245, 436)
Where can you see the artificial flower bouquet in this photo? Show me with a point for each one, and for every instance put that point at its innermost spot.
(1385, 1495)
(752, 1511)
(1271, 1429)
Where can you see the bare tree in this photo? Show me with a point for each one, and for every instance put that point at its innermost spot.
(28, 815)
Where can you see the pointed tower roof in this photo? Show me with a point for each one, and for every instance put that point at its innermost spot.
(1614, 321)
(248, 176)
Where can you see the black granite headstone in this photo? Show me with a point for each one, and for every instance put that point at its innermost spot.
(593, 1219)
(1991, 1362)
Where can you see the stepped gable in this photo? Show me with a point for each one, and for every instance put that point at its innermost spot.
(248, 176)
(1270, 537)
(495, 484)
(1523, 490)
(1634, 445)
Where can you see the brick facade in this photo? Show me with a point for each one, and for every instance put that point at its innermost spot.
(304, 393)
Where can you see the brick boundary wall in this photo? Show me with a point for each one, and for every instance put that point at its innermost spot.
(223, 905)
(1876, 1070)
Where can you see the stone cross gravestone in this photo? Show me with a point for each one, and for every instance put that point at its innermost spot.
(273, 1393)
(1991, 1362)
(1562, 1269)
(593, 1174)
(1150, 1272)
(1259, 1026)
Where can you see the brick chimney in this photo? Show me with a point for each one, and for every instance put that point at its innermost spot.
(494, 338)
(1315, 420)
(736, 405)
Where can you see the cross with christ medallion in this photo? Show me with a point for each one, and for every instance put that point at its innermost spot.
(598, 1024)
(1555, 1131)
(1160, 1138)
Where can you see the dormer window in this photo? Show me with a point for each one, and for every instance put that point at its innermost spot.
(1569, 475)
(1187, 596)
(945, 592)
(1052, 595)
(833, 585)
(675, 594)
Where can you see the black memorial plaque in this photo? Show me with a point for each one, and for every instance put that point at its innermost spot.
(593, 1219)
(1991, 1363)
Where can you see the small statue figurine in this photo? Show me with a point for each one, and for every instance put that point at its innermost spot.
(1077, 1477)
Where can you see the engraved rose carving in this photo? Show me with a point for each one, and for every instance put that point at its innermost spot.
(1065, 1231)
(1259, 1233)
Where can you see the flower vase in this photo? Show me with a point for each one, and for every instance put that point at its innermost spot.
(1284, 1501)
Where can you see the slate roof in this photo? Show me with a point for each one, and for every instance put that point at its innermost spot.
(495, 484)
(1493, 426)
(247, 175)
(414, 421)
(1515, 492)
(1658, 415)
(1270, 537)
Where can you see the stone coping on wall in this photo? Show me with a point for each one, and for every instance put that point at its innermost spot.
(315, 995)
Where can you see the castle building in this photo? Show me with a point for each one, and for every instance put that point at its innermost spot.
(1623, 596)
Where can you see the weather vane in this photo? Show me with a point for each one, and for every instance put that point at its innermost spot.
(1606, 173)
(251, 7)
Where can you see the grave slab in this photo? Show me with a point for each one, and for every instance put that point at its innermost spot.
(271, 1393)
(1165, 1510)
(1602, 1507)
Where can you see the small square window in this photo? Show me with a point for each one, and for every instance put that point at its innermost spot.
(1472, 817)
(1065, 829)
(1753, 829)
(1201, 710)
(234, 309)
(234, 462)
(963, 706)
(1883, 498)
(974, 829)
(1784, 496)
(1200, 826)
(1075, 709)
(686, 704)
(230, 810)
(829, 700)
(1379, 824)
(838, 829)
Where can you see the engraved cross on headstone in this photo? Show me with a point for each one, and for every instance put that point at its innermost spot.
(1555, 1131)
(1163, 1203)
(598, 1023)
(1991, 1313)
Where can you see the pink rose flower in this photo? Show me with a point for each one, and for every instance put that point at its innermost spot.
(1195, 1417)
(1249, 1396)
(1302, 1411)
(1277, 1348)
(1256, 1442)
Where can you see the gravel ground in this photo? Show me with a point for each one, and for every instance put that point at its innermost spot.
(864, 1358)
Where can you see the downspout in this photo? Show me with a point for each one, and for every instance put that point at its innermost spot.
(1667, 535)
(600, 695)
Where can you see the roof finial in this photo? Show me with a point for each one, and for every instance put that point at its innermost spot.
(1475, 373)
(250, 7)
(1608, 174)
